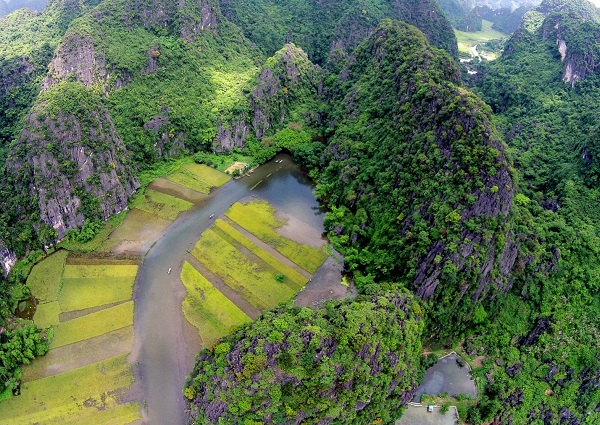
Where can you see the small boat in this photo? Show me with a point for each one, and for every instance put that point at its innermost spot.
(169, 272)
(211, 216)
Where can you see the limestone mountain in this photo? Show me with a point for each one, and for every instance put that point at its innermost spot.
(400, 107)
(320, 27)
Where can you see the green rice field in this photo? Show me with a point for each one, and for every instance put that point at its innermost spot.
(45, 277)
(94, 324)
(87, 395)
(289, 272)
(254, 280)
(199, 177)
(466, 40)
(207, 308)
(258, 218)
(85, 375)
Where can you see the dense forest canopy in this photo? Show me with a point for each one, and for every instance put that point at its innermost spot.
(465, 215)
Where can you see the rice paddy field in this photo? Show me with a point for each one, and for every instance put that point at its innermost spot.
(467, 40)
(207, 308)
(199, 177)
(85, 377)
(153, 210)
(248, 259)
(258, 218)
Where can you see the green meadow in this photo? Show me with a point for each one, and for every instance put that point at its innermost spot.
(207, 308)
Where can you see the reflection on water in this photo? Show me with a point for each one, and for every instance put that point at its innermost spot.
(26, 308)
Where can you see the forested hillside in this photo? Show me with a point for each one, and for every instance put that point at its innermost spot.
(545, 91)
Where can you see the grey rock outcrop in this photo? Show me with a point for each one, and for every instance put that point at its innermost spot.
(77, 167)
(7, 258)
(167, 142)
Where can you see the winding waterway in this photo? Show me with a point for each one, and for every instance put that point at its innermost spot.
(165, 343)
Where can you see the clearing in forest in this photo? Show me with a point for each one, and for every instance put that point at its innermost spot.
(467, 40)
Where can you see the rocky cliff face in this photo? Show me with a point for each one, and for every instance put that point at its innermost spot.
(7, 258)
(70, 157)
(574, 26)
(578, 43)
(77, 59)
(288, 77)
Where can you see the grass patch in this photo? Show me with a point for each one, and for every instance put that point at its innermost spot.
(258, 218)
(290, 273)
(207, 308)
(6, 394)
(93, 324)
(82, 293)
(461, 402)
(46, 314)
(73, 397)
(161, 204)
(255, 282)
(199, 177)
(99, 270)
(45, 277)
(466, 40)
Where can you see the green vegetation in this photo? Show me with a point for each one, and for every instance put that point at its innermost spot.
(79, 294)
(467, 40)
(208, 309)
(258, 218)
(60, 399)
(46, 314)
(199, 177)
(45, 277)
(461, 15)
(315, 26)
(291, 355)
(161, 204)
(250, 277)
(73, 244)
(289, 272)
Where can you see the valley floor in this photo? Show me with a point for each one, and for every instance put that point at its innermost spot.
(97, 369)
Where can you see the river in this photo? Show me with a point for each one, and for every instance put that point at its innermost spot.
(165, 343)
